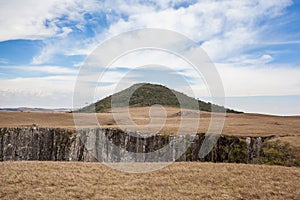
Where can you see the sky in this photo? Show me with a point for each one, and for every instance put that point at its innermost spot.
(253, 44)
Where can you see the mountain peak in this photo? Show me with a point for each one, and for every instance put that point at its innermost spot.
(148, 94)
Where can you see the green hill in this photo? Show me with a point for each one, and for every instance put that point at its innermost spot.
(146, 94)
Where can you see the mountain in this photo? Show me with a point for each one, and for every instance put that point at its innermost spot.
(146, 94)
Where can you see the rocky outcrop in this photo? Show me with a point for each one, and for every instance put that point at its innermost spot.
(113, 145)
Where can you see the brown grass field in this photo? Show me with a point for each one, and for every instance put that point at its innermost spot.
(287, 127)
(53, 180)
(235, 124)
(189, 180)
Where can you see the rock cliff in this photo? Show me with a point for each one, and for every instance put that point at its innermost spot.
(113, 145)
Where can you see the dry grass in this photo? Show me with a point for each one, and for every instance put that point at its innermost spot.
(19, 119)
(53, 180)
(59, 180)
(292, 140)
(235, 124)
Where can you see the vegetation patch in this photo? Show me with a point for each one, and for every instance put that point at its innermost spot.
(279, 153)
(238, 152)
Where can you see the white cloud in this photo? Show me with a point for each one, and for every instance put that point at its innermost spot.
(3, 61)
(44, 56)
(25, 20)
(37, 98)
(46, 69)
(226, 28)
(51, 69)
(48, 91)
(64, 46)
(51, 91)
(150, 57)
(65, 32)
(29, 19)
(255, 80)
(256, 60)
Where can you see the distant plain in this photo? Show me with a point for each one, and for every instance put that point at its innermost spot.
(287, 128)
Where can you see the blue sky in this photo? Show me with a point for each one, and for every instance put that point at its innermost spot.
(254, 45)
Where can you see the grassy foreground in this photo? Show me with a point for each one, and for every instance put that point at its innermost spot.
(62, 180)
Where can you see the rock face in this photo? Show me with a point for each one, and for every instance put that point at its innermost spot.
(113, 145)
